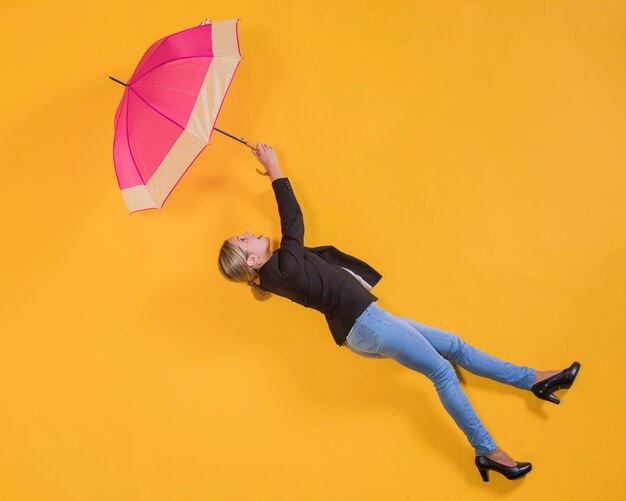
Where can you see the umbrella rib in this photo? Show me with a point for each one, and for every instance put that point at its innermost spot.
(117, 123)
(130, 150)
(162, 114)
(155, 49)
(165, 62)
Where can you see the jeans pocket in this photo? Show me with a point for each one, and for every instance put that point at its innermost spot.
(362, 340)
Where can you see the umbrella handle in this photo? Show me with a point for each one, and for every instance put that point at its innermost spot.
(252, 146)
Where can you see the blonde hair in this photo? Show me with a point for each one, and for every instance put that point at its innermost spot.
(232, 263)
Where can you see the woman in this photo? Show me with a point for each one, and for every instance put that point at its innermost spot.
(339, 285)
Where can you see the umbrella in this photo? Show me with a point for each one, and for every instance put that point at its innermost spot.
(168, 111)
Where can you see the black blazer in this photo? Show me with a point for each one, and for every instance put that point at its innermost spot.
(323, 278)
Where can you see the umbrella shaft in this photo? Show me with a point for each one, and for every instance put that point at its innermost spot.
(241, 140)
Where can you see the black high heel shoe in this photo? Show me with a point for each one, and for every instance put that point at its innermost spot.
(484, 464)
(564, 379)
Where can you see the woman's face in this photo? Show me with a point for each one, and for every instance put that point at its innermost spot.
(258, 246)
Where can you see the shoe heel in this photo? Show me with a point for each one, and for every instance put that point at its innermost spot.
(552, 398)
(484, 474)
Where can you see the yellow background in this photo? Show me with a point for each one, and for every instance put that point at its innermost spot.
(471, 151)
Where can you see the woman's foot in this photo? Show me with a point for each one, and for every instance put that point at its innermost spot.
(500, 461)
(546, 385)
(499, 456)
(541, 375)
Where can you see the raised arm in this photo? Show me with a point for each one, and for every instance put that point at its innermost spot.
(291, 252)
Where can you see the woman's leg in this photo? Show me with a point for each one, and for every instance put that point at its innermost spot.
(454, 348)
(380, 334)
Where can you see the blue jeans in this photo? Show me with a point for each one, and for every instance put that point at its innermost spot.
(380, 334)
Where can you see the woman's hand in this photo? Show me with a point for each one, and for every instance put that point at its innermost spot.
(265, 154)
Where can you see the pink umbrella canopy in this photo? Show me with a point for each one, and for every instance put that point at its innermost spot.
(169, 108)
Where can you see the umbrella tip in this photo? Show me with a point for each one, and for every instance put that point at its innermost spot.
(118, 81)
